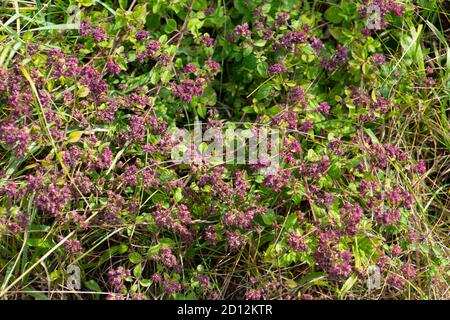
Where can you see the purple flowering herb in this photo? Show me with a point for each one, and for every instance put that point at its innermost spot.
(323, 108)
(297, 242)
(242, 30)
(277, 68)
(378, 59)
(207, 40)
(116, 277)
(142, 35)
(113, 67)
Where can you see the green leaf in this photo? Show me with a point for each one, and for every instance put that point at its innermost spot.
(40, 242)
(75, 136)
(153, 250)
(145, 282)
(123, 4)
(264, 92)
(333, 14)
(312, 156)
(121, 249)
(371, 135)
(178, 196)
(86, 3)
(137, 271)
(194, 25)
(347, 286)
(83, 92)
(269, 218)
(92, 285)
(171, 26)
(260, 43)
(291, 284)
(290, 221)
(262, 69)
(135, 257)
(36, 295)
(335, 171)
(140, 13)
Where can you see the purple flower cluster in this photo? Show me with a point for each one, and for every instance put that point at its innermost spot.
(207, 40)
(240, 219)
(351, 216)
(297, 242)
(167, 258)
(137, 130)
(420, 168)
(338, 263)
(71, 156)
(282, 18)
(142, 35)
(277, 68)
(130, 176)
(87, 30)
(396, 281)
(378, 59)
(323, 108)
(105, 159)
(204, 281)
(176, 220)
(116, 277)
(408, 271)
(296, 96)
(242, 30)
(15, 138)
(53, 199)
(171, 286)
(253, 294)
(292, 38)
(235, 240)
(278, 180)
(188, 89)
(335, 147)
(93, 80)
(379, 8)
(115, 204)
(388, 216)
(72, 246)
(338, 59)
(153, 49)
(316, 44)
(113, 67)
(287, 116)
(210, 235)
